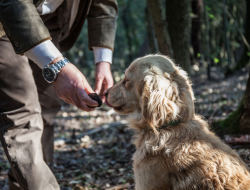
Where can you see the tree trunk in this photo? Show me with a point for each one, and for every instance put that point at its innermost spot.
(207, 44)
(178, 19)
(239, 120)
(196, 26)
(225, 22)
(245, 58)
(151, 35)
(160, 27)
(128, 35)
(245, 119)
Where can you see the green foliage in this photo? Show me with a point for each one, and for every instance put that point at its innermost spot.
(234, 13)
(208, 8)
(216, 60)
(211, 16)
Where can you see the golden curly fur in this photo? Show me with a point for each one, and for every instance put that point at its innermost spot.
(184, 156)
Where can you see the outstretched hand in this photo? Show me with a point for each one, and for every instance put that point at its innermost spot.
(104, 79)
(72, 87)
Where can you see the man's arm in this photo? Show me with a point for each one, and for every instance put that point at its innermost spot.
(101, 31)
(102, 23)
(27, 33)
(22, 24)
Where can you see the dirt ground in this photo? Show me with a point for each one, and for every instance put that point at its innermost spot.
(94, 150)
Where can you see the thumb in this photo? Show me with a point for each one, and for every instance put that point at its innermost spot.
(109, 83)
(98, 85)
(83, 96)
(86, 86)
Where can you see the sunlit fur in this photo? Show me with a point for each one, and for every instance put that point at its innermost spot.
(182, 157)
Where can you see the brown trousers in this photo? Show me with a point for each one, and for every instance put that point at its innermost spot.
(27, 106)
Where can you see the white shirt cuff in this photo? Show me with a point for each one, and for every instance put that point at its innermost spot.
(102, 54)
(43, 54)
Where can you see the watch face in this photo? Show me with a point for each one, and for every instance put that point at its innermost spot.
(49, 74)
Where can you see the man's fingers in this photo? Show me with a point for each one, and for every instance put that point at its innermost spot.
(88, 88)
(109, 83)
(80, 104)
(102, 93)
(68, 101)
(98, 85)
(83, 96)
(72, 87)
(84, 107)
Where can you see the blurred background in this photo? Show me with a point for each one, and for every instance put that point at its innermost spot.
(205, 33)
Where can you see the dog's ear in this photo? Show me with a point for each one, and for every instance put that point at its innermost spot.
(159, 99)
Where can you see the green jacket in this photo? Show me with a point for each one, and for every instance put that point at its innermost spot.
(25, 28)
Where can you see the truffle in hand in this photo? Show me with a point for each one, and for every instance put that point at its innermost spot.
(95, 97)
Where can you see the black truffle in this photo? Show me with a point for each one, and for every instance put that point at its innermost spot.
(95, 97)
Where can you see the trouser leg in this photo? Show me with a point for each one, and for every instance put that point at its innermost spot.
(21, 124)
(50, 104)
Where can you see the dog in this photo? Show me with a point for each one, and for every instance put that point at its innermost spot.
(175, 150)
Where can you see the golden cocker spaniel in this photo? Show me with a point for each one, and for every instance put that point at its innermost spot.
(175, 150)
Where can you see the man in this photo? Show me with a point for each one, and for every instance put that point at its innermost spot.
(29, 26)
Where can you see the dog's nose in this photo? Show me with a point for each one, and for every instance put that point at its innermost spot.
(105, 93)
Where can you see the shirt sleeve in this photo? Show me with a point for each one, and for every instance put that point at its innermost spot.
(102, 54)
(43, 54)
(46, 52)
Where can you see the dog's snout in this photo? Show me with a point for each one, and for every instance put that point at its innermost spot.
(105, 93)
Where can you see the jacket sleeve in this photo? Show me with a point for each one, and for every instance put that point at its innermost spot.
(102, 23)
(22, 24)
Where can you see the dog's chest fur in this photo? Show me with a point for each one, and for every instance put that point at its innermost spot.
(178, 160)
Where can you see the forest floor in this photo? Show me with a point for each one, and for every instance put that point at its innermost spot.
(94, 150)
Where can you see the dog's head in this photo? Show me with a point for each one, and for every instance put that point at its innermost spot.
(155, 91)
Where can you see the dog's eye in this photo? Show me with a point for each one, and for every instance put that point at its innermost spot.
(124, 81)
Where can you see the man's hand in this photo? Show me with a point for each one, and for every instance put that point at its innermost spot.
(72, 87)
(104, 79)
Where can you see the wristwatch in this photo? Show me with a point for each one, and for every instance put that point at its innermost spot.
(50, 72)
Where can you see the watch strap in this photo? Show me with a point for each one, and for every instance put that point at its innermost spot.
(60, 64)
(55, 68)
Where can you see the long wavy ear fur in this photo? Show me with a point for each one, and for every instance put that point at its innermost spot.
(160, 99)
